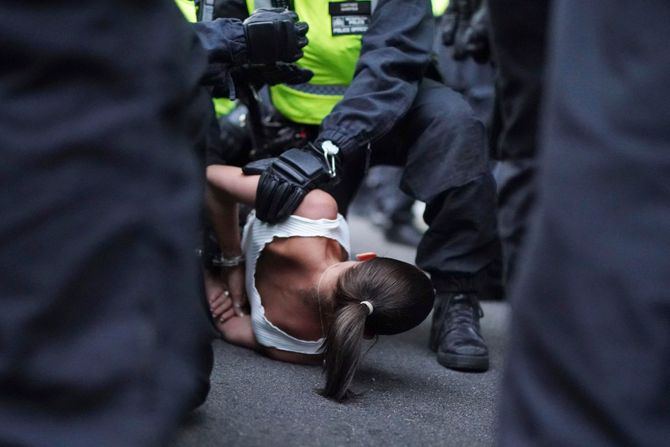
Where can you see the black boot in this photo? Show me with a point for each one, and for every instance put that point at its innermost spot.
(455, 333)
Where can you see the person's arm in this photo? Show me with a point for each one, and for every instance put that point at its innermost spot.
(234, 9)
(231, 186)
(223, 40)
(239, 331)
(265, 38)
(235, 329)
(395, 53)
(228, 187)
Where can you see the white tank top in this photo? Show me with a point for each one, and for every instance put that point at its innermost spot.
(257, 234)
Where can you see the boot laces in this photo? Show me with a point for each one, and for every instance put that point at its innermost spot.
(464, 309)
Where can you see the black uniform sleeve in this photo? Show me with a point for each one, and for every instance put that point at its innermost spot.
(395, 53)
(225, 45)
(232, 9)
(223, 40)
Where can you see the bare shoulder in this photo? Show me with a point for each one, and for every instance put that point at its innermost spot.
(317, 204)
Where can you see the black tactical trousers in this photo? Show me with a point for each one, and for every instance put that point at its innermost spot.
(442, 147)
(519, 35)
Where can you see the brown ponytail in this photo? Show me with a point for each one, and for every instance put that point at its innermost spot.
(343, 349)
(402, 297)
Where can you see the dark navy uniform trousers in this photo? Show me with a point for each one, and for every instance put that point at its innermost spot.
(100, 328)
(589, 360)
(518, 35)
(441, 145)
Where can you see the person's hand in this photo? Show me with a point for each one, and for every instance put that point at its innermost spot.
(220, 295)
(234, 278)
(274, 35)
(286, 180)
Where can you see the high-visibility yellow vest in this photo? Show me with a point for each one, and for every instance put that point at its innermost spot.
(187, 8)
(331, 58)
(439, 6)
(222, 106)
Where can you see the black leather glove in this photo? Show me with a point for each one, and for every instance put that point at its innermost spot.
(286, 180)
(274, 34)
(273, 74)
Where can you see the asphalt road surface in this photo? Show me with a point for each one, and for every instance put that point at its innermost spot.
(406, 398)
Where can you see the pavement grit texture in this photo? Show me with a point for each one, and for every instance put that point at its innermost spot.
(407, 398)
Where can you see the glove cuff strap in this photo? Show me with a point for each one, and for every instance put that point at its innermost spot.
(330, 151)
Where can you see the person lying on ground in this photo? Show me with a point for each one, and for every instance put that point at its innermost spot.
(308, 302)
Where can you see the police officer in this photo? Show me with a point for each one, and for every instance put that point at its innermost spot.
(368, 103)
(590, 342)
(232, 47)
(519, 35)
(474, 79)
(100, 194)
(515, 32)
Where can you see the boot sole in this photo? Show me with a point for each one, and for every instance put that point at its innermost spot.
(473, 363)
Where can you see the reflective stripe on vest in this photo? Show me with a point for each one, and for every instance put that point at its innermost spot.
(331, 58)
(332, 90)
(187, 8)
(268, 4)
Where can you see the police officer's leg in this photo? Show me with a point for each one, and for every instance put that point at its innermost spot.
(516, 196)
(443, 148)
(590, 344)
(519, 35)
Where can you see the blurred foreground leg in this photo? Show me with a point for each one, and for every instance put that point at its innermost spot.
(590, 349)
(99, 200)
